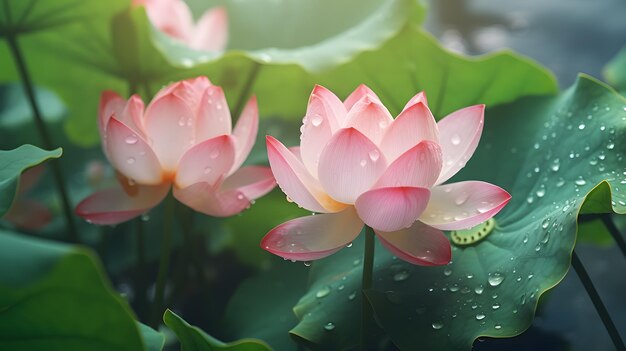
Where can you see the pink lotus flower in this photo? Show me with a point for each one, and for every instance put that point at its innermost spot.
(184, 139)
(357, 165)
(174, 18)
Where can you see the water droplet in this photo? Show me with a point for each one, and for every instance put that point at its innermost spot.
(540, 192)
(460, 200)
(181, 121)
(363, 163)
(145, 217)
(525, 239)
(349, 244)
(480, 316)
(240, 196)
(214, 154)
(307, 263)
(479, 289)
(437, 325)
(610, 145)
(323, 292)
(352, 296)
(495, 279)
(581, 126)
(207, 170)
(495, 306)
(580, 181)
(455, 140)
(316, 120)
(288, 199)
(560, 182)
(131, 140)
(498, 326)
(329, 326)
(130, 160)
(545, 223)
(401, 276)
(447, 272)
(374, 155)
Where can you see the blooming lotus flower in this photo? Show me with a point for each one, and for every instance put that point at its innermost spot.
(357, 165)
(174, 18)
(182, 139)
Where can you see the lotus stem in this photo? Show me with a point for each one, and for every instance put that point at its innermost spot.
(612, 228)
(245, 91)
(164, 262)
(368, 269)
(597, 302)
(57, 174)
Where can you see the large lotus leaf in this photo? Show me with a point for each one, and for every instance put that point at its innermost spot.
(414, 61)
(615, 71)
(119, 50)
(262, 305)
(13, 163)
(55, 297)
(194, 339)
(557, 156)
(30, 16)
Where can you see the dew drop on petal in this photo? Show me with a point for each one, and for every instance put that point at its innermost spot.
(131, 140)
(374, 155)
(455, 140)
(130, 160)
(363, 163)
(214, 154)
(316, 120)
(207, 170)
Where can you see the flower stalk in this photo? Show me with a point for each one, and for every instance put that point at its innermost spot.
(57, 174)
(164, 262)
(366, 284)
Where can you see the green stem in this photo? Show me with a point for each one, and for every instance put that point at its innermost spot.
(245, 91)
(57, 174)
(612, 228)
(366, 284)
(597, 302)
(164, 262)
(140, 283)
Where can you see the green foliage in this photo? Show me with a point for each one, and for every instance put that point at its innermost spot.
(262, 306)
(55, 297)
(152, 339)
(193, 339)
(13, 163)
(15, 112)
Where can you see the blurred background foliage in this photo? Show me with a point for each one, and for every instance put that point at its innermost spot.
(221, 280)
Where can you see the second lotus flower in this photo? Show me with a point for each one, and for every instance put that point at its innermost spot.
(183, 139)
(357, 165)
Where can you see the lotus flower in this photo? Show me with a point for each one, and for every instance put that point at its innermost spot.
(357, 165)
(174, 18)
(184, 139)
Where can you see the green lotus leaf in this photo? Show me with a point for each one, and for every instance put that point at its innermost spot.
(58, 299)
(194, 339)
(262, 305)
(152, 339)
(558, 157)
(13, 163)
(119, 50)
